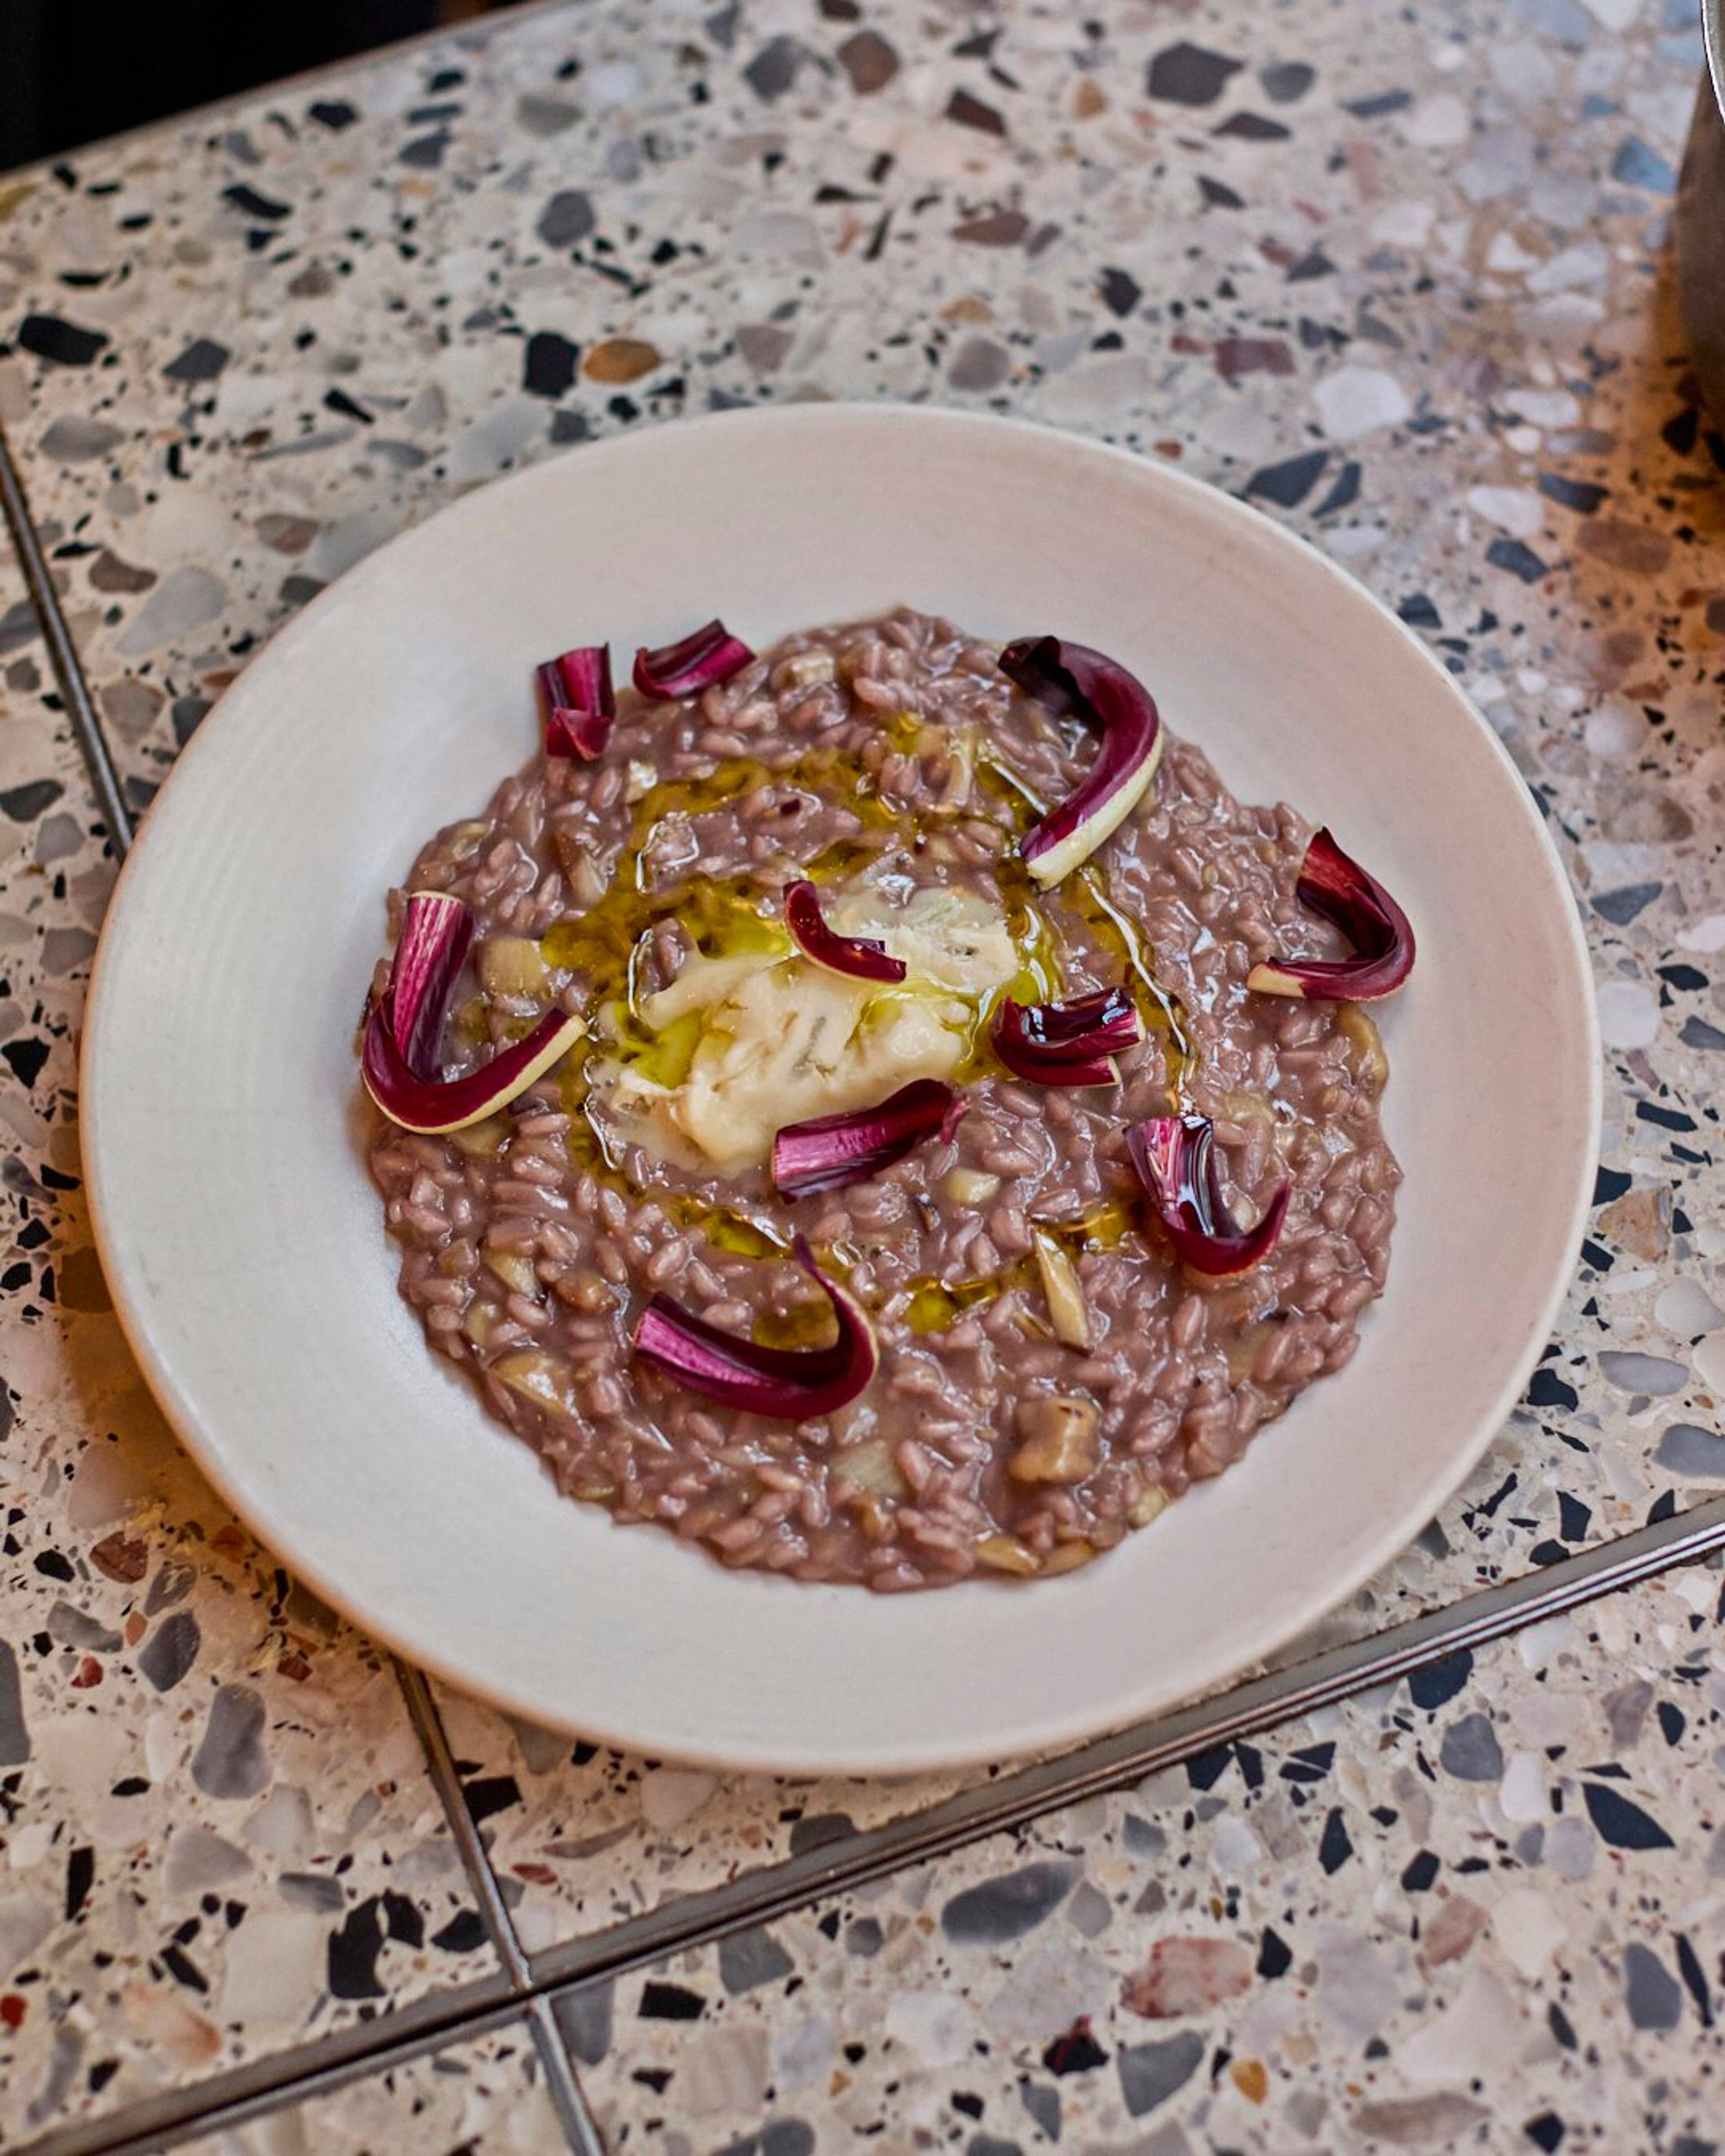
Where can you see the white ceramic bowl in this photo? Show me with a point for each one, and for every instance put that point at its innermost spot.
(243, 1242)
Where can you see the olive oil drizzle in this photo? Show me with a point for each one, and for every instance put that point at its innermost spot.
(1087, 895)
(725, 917)
(734, 776)
(935, 1305)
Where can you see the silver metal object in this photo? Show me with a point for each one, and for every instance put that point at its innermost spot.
(577, 2121)
(160, 2122)
(1698, 231)
(86, 727)
(1014, 1798)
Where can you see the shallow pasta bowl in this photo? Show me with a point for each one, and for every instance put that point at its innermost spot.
(243, 1240)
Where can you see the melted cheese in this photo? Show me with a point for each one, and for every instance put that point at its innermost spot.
(783, 1040)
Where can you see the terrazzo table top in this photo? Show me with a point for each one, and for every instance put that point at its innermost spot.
(1400, 279)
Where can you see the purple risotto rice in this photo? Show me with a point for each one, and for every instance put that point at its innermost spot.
(1050, 1371)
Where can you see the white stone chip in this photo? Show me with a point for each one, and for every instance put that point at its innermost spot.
(1358, 400)
(1629, 1015)
(1527, 1929)
(670, 1795)
(1476, 2035)
(1436, 123)
(1513, 509)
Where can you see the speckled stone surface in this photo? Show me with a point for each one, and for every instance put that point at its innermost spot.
(484, 2096)
(1481, 1910)
(1404, 291)
(219, 1837)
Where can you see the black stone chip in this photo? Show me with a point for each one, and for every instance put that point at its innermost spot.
(549, 363)
(463, 1934)
(1419, 1872)
(80, 1875)
(23, 804)
(1375, 108)
(1186, 73)
(202, 361)
(1252, 127)
(1121, 292)
(1518, 558)
(1288, 484)
(1547, 1390)
(253, 205)
(1335, 1848)
(670, 2002)
(1622, 1822)
(1287, 81)
(1579, 495)
(1275, 1957)
(64, 342)
(490, 1794)
(1074, 2052)
(1344, 493)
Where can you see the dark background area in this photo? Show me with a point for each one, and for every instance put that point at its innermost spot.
(73, 70)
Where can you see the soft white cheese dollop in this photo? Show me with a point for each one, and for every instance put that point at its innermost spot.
(783, 1040)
